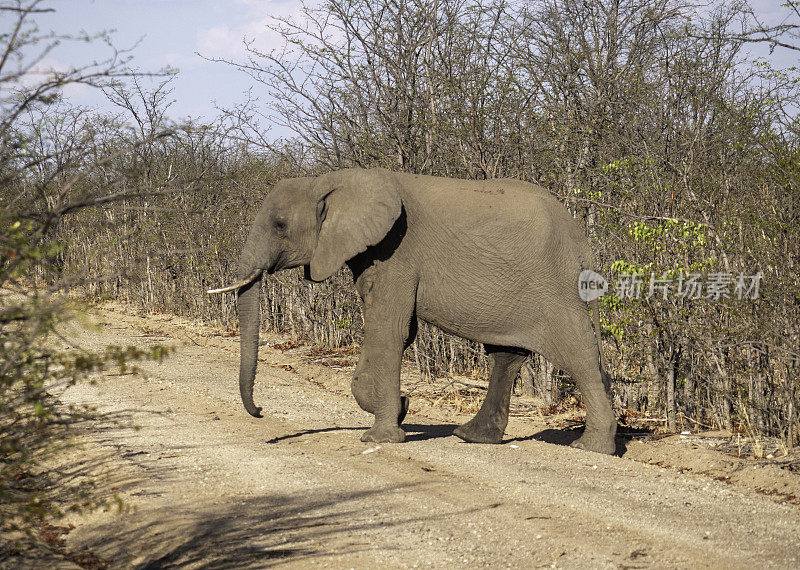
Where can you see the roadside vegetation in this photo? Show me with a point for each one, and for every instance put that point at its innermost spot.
(677, 150)
(47, 158)
(678, 153)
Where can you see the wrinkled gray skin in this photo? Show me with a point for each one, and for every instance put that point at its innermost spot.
(494, 261)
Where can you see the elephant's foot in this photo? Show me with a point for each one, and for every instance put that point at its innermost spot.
(384, 434)
(597, 441)
(477, 431)
(404, 401)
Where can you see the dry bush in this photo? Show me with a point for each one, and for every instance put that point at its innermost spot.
(645, 119)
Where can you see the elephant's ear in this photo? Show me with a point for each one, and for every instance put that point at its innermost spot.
(357, 208)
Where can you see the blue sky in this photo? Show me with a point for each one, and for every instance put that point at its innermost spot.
(171, 32)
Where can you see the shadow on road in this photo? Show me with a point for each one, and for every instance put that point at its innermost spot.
(423, 432)
(414, 432)
(306, 432)
(258, 532)
(567, 436)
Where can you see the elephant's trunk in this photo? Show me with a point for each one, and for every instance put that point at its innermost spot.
(248, 301)
(255, 259)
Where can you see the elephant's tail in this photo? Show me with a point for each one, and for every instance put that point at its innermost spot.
(587, 260)
(594, 305)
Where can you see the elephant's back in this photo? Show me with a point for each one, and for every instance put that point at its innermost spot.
(474, 195)
(504, 214)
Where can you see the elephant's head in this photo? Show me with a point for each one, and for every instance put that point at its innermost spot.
(319, 223)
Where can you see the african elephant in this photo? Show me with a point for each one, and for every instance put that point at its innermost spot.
(494, 261)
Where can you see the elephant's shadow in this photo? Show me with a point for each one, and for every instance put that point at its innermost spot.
(566, 436)
(414, 432)
(424, 432)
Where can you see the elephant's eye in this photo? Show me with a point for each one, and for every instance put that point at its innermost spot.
(279, 224)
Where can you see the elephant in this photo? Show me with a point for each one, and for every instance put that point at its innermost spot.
(494, 261)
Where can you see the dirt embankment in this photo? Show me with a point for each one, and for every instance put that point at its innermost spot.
(205, 485)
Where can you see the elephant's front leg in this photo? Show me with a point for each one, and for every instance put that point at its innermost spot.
(376, 384)
(362, 387)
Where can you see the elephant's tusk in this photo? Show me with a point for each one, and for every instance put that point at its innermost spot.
(239, 284)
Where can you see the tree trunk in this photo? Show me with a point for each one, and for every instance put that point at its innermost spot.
(671, 398)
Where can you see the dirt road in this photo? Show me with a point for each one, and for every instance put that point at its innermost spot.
(206, 485)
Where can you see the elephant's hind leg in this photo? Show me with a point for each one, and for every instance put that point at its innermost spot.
(601, 423)
(490, 422)
(582, 363)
